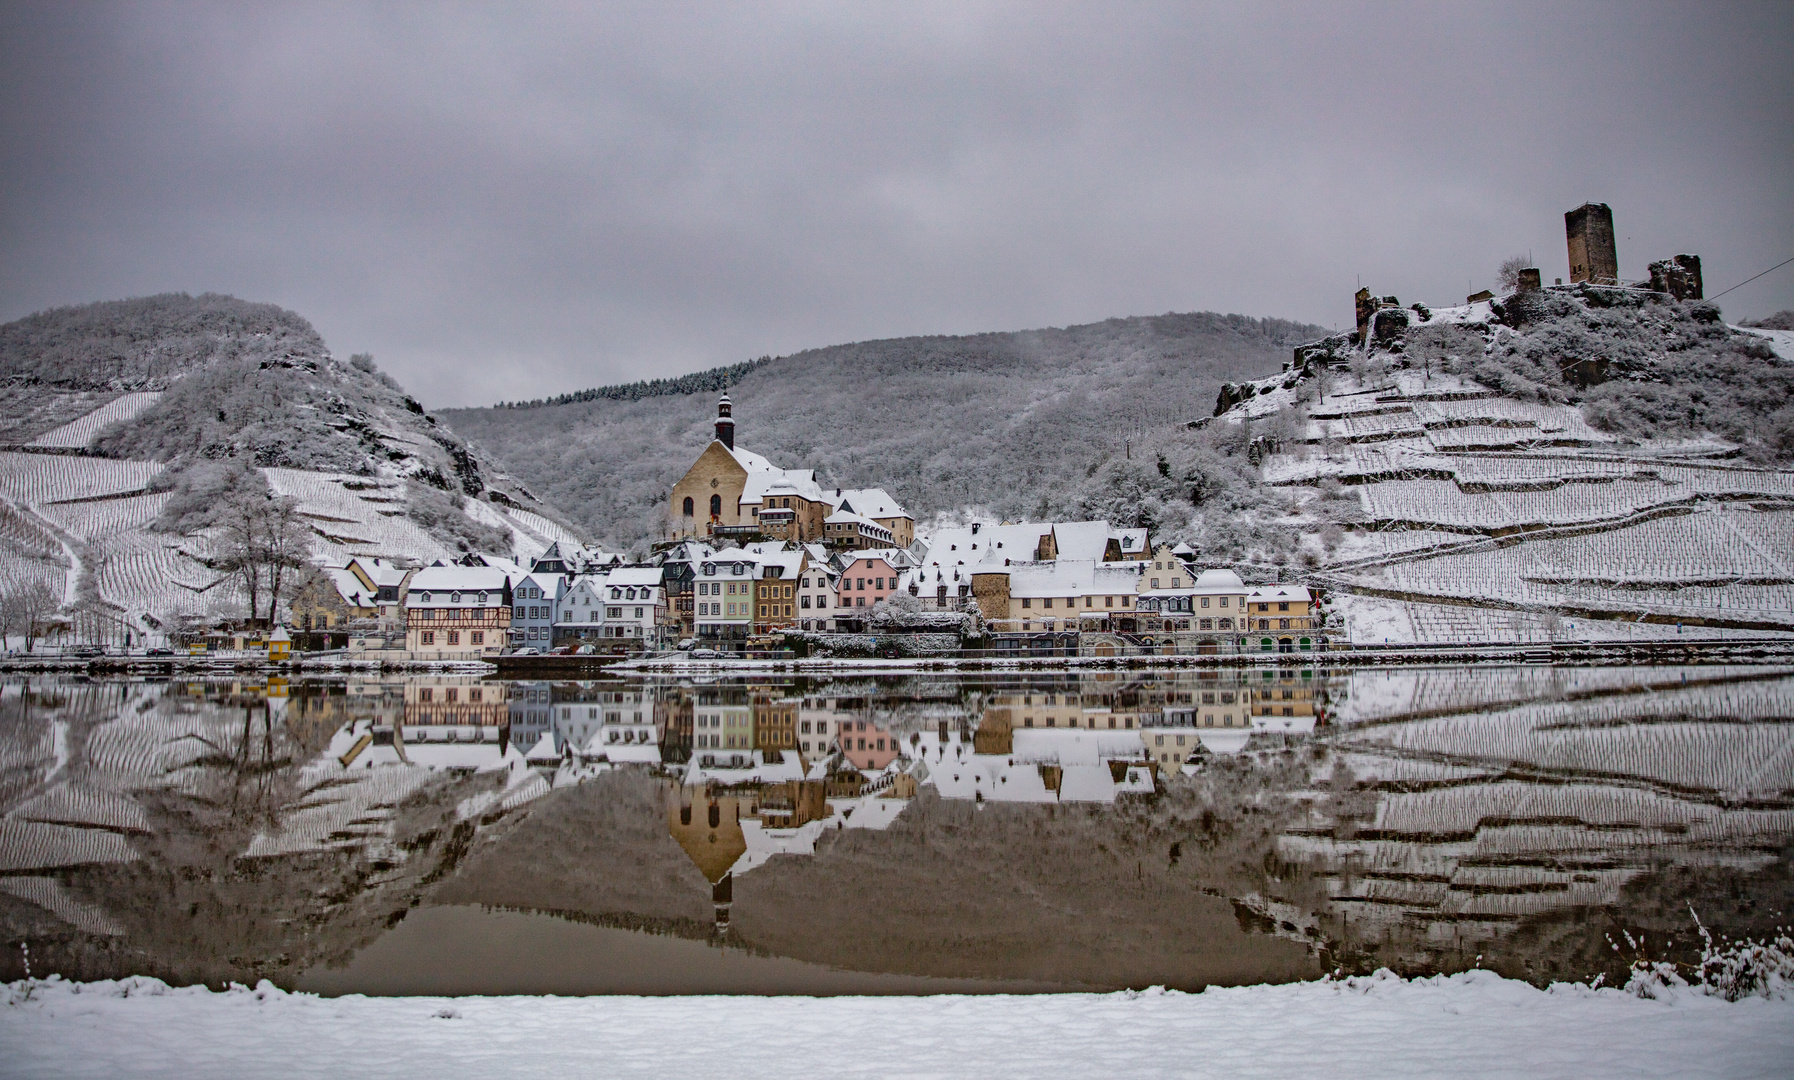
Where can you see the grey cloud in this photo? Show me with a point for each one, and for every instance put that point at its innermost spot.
(506, 202)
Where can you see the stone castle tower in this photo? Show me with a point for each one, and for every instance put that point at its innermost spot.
(1593, 257)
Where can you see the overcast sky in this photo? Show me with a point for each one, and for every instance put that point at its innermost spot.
(506, 201)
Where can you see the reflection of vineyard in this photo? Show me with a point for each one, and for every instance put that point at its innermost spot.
(1467, 819)
(134, 815)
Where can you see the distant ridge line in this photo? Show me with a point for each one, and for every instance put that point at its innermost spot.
(697, 382)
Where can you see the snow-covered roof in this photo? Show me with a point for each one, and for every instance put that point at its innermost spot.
(634, 576)
(379, 571)
(441, 578)
(1081, 539)
(1070, 577)
(1218, 580)
(1268, 593)
(753, 462)
(869, 502)
(351, 588)
(986, 543)
(790, 561)
(780, 482)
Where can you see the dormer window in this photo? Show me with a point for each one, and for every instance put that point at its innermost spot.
(423, 597)
(454, 598)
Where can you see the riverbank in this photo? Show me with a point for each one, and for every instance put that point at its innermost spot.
(1730, 650)
(1473, 1024)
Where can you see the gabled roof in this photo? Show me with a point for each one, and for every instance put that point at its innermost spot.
(1268, 593)
(773, 482)
(351, 588)
(379, 571)
(868, 502)
(1081, 539)
(751, 461)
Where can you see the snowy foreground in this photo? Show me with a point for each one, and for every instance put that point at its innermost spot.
(1475, 1024)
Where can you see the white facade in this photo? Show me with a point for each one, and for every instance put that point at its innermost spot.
(457, 612)
(817, 596)
(633, 598)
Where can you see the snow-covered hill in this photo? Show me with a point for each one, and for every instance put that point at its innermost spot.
(109, 405)
(1449, 488)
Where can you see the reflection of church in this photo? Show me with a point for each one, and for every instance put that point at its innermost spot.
(713, 825)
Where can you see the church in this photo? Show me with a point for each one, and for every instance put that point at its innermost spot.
(735, 495)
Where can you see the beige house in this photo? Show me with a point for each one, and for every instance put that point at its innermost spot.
(1282, 618)
(1061, 596)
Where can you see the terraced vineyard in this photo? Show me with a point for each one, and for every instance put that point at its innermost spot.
(1547, 529)
(79, 432)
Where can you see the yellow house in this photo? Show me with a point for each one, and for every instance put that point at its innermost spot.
(280, 645)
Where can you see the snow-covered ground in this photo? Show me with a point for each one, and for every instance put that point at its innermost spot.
(1474, 1024)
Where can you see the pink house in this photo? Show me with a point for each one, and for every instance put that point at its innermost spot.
(867, 580)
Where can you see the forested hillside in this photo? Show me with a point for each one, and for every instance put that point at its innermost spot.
(141, 343)
(1017, 423)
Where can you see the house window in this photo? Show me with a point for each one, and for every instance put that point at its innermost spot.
(1205, 601)
(1282, 607)
(688, 506)
(1026, 602)
(716, 506)
(478, 637)
(1155, 583)
(454, 637)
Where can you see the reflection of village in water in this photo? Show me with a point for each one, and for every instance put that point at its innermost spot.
(1416, 812)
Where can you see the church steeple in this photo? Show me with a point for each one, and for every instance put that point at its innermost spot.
(725, 423)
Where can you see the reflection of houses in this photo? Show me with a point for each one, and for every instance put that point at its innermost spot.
(865, 744)
(819, 722)
(1058, 765)
(775, 725)
(722, 720)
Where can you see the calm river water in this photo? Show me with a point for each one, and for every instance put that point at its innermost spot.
(889, 834)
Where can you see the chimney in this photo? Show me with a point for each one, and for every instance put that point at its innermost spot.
(725, 422)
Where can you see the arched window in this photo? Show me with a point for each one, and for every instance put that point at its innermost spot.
(688, 506)
(716, 506)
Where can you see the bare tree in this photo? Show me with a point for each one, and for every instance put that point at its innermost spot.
(25, 611)
(264, 540)
(1507, 276)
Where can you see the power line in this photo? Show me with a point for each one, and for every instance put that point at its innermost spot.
(1748, 280)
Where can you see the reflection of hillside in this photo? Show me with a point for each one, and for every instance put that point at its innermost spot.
(1479, 820)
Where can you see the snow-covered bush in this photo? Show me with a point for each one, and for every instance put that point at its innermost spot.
(1733, 970)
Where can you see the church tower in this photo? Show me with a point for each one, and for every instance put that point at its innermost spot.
(725, 421)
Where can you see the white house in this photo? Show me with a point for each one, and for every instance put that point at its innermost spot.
(633, 597)
(457, 612)
(817, 595)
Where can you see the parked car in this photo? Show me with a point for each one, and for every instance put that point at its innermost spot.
(158, 651)
(705, 654)
(526, 650)
(688, 643)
